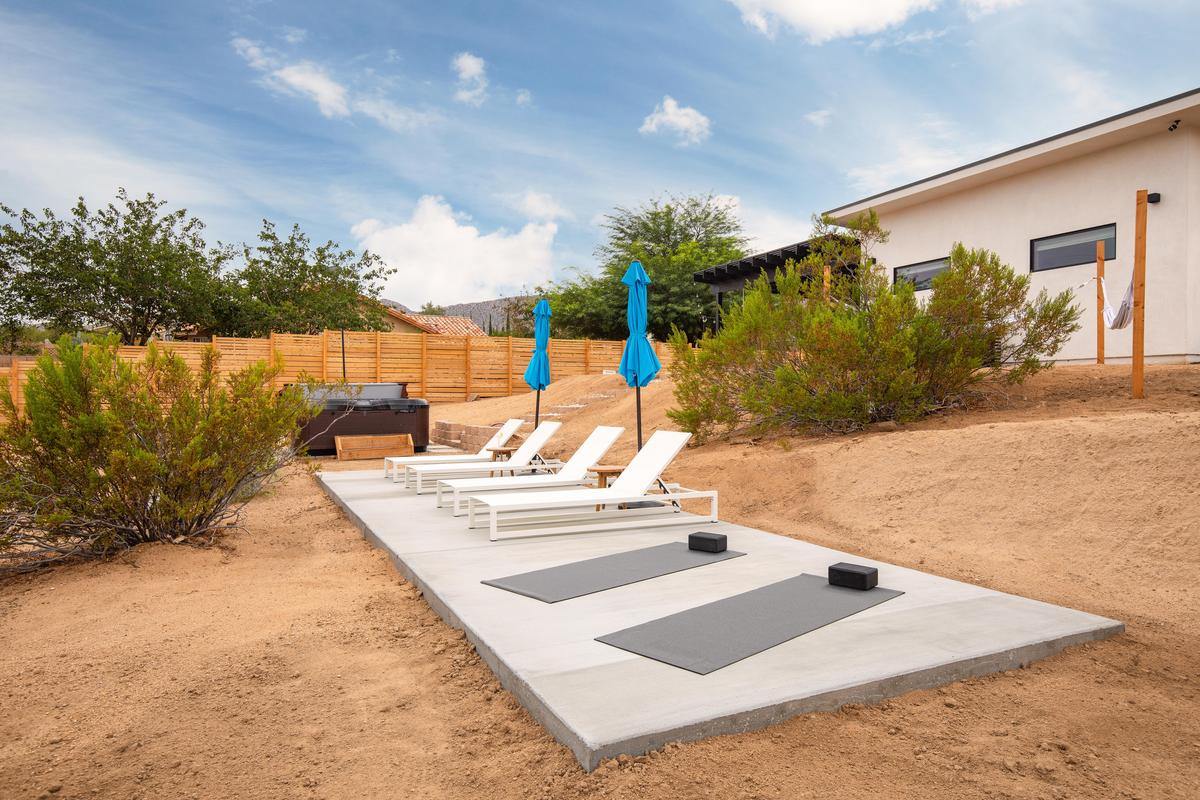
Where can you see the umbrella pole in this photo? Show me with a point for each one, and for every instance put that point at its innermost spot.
(639, 416)
(537, 408)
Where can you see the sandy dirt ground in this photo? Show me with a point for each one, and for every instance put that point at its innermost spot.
(292, 661)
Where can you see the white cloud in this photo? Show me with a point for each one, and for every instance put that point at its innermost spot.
(822, 20)
(310, 80)
(1087, 91)
(293, 35)
(253, 53)
(922, 148)
(688, 124)
(472, 78)
(819, 118)
(908, 39)
(333, 99)
(442, 258)
(980, 7)
(524, 98)
(540, 206)
(393, 116)
(767, 228)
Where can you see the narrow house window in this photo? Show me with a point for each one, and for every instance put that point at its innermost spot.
(1072, 249)
(921, 275)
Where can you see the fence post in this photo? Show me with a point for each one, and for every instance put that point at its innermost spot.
(216, 346)
(1100, 302)
(273, 354)
(1139, 295)
(324, 356)
(467, 368)
(378, 359)
(14, 383)
(425, 363)
(587, 356)
(510, 365)
(826, 283)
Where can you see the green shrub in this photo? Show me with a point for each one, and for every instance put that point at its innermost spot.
(109, 454)
(790, 358)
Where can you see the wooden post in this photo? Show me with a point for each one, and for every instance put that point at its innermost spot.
(14, 383)
(510, 365)
(275, 379)
(1100, 302)
(1139, 296)
(378, 359)
(467, 371)
(324, 356)
(425, 364)
(827, 277)
(587, 356)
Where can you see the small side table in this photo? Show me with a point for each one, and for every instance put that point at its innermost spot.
(604, 472)
(502, 454)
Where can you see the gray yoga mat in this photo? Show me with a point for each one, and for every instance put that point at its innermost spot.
(607, 572)
(708, 637)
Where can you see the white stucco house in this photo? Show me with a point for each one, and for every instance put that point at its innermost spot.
(1042, 207)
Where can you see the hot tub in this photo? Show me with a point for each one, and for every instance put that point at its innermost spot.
(365, 408)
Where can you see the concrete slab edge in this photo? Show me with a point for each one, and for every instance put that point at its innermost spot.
(867, 693)
(511, 682)
(590, 754)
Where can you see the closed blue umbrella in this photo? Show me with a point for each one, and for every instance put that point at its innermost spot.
(639, 365)
(537, 374)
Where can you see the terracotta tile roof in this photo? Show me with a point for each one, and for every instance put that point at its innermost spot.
(435, 323)
(450, 326)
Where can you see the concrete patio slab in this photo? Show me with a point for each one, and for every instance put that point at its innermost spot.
(601, 701)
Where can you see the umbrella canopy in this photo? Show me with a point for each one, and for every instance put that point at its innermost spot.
(537, 374)
(639, 365)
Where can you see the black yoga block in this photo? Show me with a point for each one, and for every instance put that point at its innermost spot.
(708, 542)
(853, 576)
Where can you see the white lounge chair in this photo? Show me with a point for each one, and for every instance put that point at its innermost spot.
(627, 503)
(391, 464)
(526, 458)
(572, 473)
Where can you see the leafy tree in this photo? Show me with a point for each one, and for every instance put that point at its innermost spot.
(288, 286)
(673, 238)
(432, 310)
(12, 327)
(129, 267)
(518, 316)
(789, 357)
(109, 454)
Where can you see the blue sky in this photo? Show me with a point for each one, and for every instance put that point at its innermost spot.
(475, 145)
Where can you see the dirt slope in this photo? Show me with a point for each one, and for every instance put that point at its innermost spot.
(294, 663)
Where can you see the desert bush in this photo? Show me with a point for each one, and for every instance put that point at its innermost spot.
(788, 357)
(109, 454)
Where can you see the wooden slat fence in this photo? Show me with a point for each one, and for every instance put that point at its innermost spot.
(442, 369)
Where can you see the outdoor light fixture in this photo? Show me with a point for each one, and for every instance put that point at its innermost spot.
(1153, 197)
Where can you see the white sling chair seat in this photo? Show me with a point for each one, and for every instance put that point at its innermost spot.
(572, 473)
(392, 464)
(511, 515)
(522, 460)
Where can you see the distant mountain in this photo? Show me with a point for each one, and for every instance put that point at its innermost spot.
(393, 304)
(493, 315)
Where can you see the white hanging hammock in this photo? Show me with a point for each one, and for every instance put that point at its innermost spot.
(1119, 318)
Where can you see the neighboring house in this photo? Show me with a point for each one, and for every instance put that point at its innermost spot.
(1042, 207)
(402, 322)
